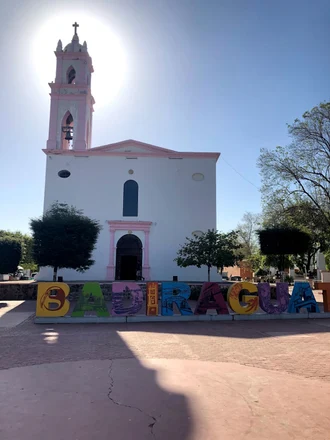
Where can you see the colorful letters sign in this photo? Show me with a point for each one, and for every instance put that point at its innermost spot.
(52, 294)
(177, 293)
(303, 296)
(325, 287)
(282, 294)
(152, 299)
(118, 291)
(52, 299)
(252, 301)
(91, 299)
(211, 298)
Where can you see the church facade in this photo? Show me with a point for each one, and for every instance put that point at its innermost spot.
(147, 199)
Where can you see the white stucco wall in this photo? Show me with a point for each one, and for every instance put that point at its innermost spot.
(168, 197)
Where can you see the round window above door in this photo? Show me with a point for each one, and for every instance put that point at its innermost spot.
(198, 177)
(64, 174)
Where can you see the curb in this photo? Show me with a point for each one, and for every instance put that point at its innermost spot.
(179, 318)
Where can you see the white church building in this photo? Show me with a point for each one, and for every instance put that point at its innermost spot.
(147, 199)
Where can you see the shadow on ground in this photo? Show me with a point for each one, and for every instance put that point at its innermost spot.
(55, 396)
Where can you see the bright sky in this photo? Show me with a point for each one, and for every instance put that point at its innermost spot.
(188, 75)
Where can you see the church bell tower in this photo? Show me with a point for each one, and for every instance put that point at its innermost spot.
(71, 105)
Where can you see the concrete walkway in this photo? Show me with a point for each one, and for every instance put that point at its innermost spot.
(13, 313)
(252, 380)
(160, 399)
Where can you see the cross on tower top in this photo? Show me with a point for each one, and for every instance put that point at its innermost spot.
(75, 25)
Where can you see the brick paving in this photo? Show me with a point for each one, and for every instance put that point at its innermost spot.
(297, 347)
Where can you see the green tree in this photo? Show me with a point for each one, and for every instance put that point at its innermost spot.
(211, 249)
(10, 254)
(247, 238)
(246, 233)
(304, 216)
(279, 243)
(27, 259)
(257, 261)
(26, 244)
(300, 172)
(280, 262)
(64, 238)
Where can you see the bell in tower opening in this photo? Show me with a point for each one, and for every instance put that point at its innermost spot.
(67, 131)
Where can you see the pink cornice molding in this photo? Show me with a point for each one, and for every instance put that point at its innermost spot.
(70, 55)
(68, 86)
(118, 149)
(92, 152)
(132, 142)
(126, 225)
(72, 97)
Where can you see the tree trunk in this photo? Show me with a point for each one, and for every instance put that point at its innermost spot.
(309, 261)
(55, 273)
(208, 273)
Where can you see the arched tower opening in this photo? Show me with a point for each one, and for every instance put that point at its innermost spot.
(67, 131)
(71, 75)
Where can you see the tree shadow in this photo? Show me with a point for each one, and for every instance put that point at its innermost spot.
(257, 329)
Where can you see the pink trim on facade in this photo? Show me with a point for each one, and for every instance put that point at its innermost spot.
(146, 272)
(92, 152)
(145, 266)
(51, 142)
(110, 273)
(80, 141)
(70, 55)
(111, 266)
(125, 225)
(57, 86)
(112, 246)
(122, 225)
(59, 66)
(71, 96)
(146, 248)
(130, 142)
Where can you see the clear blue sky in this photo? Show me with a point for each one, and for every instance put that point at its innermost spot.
(217, 75)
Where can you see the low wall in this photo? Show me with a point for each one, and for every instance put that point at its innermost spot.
(28, 291)
(18, 291)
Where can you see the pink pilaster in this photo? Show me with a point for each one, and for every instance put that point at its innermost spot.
(145, 266)
(80, 77)
(51, 143)
(111, 267)
(59, 68)
(80, 140)
(146, 248)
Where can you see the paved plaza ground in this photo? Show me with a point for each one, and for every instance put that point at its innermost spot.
(187, 381)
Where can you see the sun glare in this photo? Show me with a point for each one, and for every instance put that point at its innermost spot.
(105, 48)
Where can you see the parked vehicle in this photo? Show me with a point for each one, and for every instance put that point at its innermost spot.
(236, 278)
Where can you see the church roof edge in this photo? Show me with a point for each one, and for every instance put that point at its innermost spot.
(159, 154)
(133, 148)
(134, 143)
